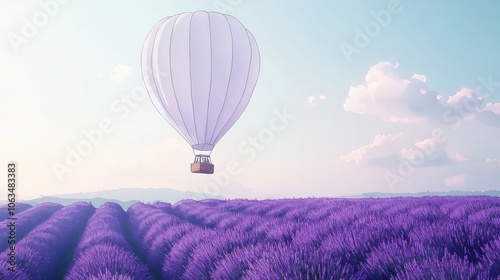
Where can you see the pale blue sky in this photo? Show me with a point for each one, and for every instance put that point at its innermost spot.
(348, 134)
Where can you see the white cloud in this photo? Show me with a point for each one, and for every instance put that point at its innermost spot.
(461, 158)
(467, 104)
(391, 150)
(430, 149)
(492, 160)
(121, 72)
(493, 107)
(421, 78)
(389, 95)
(424, 145)
(391, 98)
(313, 99)
(382, 145)
(464, 95)
(455, 181)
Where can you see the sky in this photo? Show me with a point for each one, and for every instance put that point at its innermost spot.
(369, 96)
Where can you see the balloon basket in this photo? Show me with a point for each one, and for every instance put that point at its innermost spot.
(202, 164)
(204, 168)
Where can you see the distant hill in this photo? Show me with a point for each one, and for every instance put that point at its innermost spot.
(421, 194)
(96, 201)
(124, 196)
(144, 195)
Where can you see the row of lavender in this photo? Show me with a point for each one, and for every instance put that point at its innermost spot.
(46, 250)
(104, 252)
(275, 239)
(363, 239)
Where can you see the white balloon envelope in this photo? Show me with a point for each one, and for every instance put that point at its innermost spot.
(200, 70)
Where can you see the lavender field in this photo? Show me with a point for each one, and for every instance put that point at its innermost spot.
(397, 238)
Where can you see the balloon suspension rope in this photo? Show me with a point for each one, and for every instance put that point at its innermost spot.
(209, 154)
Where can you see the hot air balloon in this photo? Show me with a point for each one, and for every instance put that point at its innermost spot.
(200, 70)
